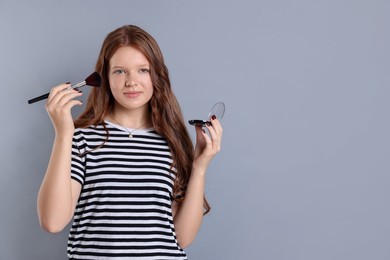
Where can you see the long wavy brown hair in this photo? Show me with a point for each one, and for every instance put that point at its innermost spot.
(166, 115)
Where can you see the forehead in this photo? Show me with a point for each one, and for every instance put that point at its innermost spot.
(128, 55)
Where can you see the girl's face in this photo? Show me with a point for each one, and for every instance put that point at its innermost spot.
(129, 78)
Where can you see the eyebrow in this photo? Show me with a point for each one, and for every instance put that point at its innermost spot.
(121, 67)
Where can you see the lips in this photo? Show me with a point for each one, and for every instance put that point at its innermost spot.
(132, 94)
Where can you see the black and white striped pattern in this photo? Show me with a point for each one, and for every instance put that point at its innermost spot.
(124, 209)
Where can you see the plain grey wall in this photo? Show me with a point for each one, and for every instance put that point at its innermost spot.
(304, 171)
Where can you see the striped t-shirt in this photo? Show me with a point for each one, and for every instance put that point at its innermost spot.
(124, 209)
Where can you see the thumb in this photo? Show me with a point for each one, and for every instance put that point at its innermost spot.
(199, 133)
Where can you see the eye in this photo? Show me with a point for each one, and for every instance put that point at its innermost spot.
(144, 70)
(118, 71)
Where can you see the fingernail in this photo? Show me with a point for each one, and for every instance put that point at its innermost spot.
(203, 130)
(213, 117)
(67, 83)
(208, 124)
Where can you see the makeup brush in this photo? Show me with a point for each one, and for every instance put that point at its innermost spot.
(93, 80)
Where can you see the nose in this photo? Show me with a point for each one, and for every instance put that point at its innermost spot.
(131, 79)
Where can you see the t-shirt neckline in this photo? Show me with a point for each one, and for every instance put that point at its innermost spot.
(123, 128)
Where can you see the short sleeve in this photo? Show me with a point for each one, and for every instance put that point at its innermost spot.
(78, 158)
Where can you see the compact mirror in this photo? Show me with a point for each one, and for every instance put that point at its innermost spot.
(218, 110)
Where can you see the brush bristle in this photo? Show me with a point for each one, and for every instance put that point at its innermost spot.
(94, 80)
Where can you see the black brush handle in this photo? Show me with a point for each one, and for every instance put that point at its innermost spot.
(42, 97)
(92, 80)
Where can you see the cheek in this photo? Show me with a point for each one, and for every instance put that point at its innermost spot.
(150, 88)
(147, 82)
(115, 82)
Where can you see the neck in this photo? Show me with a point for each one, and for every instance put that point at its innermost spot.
(131, 118)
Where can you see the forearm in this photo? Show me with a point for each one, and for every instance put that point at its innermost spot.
(189, 217)
(55, 194)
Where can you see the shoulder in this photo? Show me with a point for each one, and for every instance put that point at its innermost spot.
(90, 130)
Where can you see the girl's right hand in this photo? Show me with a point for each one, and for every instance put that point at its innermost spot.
(59, 105)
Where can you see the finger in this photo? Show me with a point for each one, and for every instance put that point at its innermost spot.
(58, 103)
(207, 140)
(215, 130)
(200, 141)
(58, 94)
(54, 91)
(64, 96)
(198, 129)
(216, 124)
(199, 135)
(215, 137)
(72, 103)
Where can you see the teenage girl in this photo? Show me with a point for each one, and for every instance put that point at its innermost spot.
(126, 170)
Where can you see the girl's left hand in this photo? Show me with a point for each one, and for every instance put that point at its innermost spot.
(207, 146)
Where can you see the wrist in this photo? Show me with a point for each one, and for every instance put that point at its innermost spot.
(64, 135)
(198, 171)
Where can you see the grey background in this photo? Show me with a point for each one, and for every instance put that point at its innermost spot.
(304, 171)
